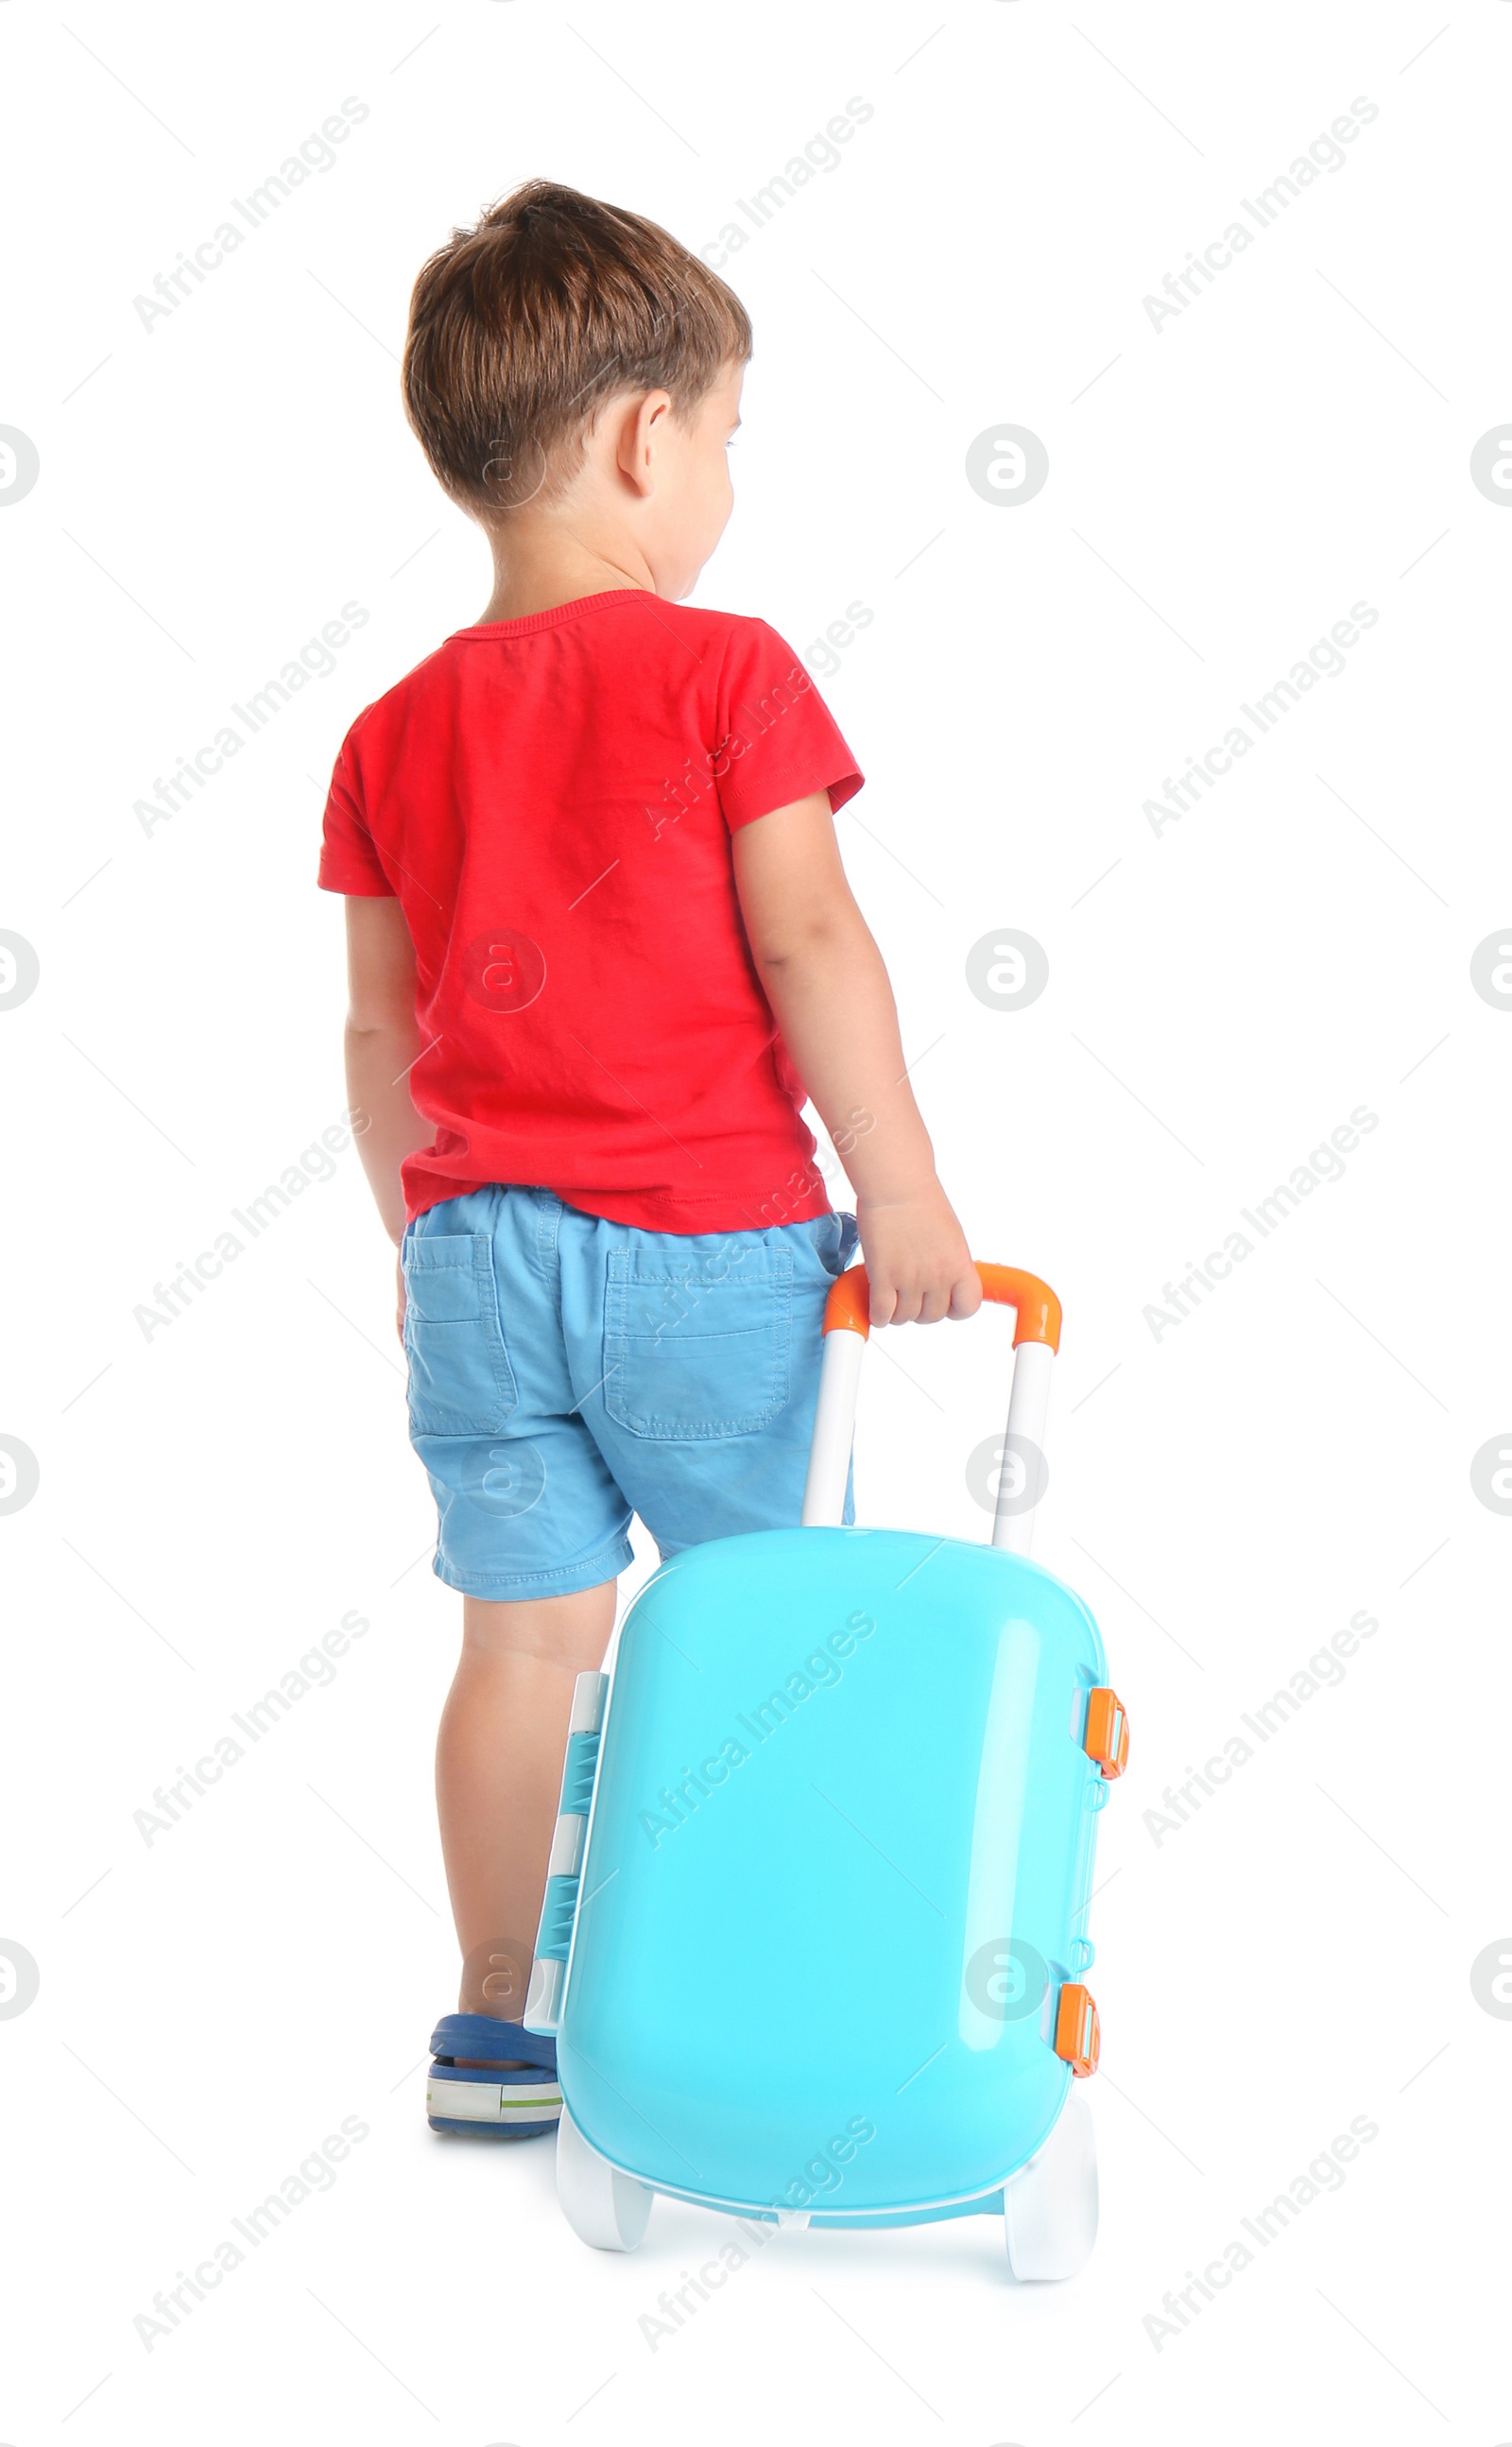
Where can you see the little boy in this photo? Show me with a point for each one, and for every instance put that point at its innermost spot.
(600, 948)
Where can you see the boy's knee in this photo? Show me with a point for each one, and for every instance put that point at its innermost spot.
(571, 1632)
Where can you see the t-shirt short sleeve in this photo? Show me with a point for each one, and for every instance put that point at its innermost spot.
(778, 740)
(349, 861)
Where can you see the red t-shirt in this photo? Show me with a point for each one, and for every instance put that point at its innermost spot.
(552, 801)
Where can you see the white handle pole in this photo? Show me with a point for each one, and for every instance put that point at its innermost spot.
(1021, 1480)
(840, 1375)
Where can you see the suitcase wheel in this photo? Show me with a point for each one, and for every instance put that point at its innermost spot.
(1049, 2207)
(603, 2207)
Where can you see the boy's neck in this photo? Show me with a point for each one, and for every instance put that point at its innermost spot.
(541, 564)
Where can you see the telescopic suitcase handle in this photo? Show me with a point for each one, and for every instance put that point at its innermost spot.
(1036, 1339)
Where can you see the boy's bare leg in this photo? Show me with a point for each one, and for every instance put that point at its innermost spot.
(498, 1760)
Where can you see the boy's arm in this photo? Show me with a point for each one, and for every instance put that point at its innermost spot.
(829, 994)
(382, 1044)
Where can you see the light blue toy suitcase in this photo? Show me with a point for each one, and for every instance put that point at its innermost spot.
(815, 1926)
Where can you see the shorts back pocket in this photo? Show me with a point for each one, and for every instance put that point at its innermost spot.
(696, 1349)
(461, 1382)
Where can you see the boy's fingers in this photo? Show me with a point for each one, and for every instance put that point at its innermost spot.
(966, 1294)
(924, 1301)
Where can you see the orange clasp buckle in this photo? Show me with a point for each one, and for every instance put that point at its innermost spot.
(1078, 2032)
(1106, 1740)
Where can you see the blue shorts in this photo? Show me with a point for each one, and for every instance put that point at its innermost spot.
(566, 1371)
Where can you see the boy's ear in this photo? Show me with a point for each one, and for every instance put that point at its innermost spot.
(641, 429)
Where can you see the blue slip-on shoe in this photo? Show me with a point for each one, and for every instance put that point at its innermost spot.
(512, 2102)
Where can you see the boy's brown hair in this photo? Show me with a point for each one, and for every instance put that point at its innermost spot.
(520, 328)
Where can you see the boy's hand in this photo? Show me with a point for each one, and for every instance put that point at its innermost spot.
(399, 1313)
(917, 1262)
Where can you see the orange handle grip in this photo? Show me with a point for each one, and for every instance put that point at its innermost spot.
(1039, 1312)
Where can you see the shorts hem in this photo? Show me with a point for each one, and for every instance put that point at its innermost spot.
(564, 1581)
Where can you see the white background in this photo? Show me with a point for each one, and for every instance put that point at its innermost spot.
(1220, 996)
